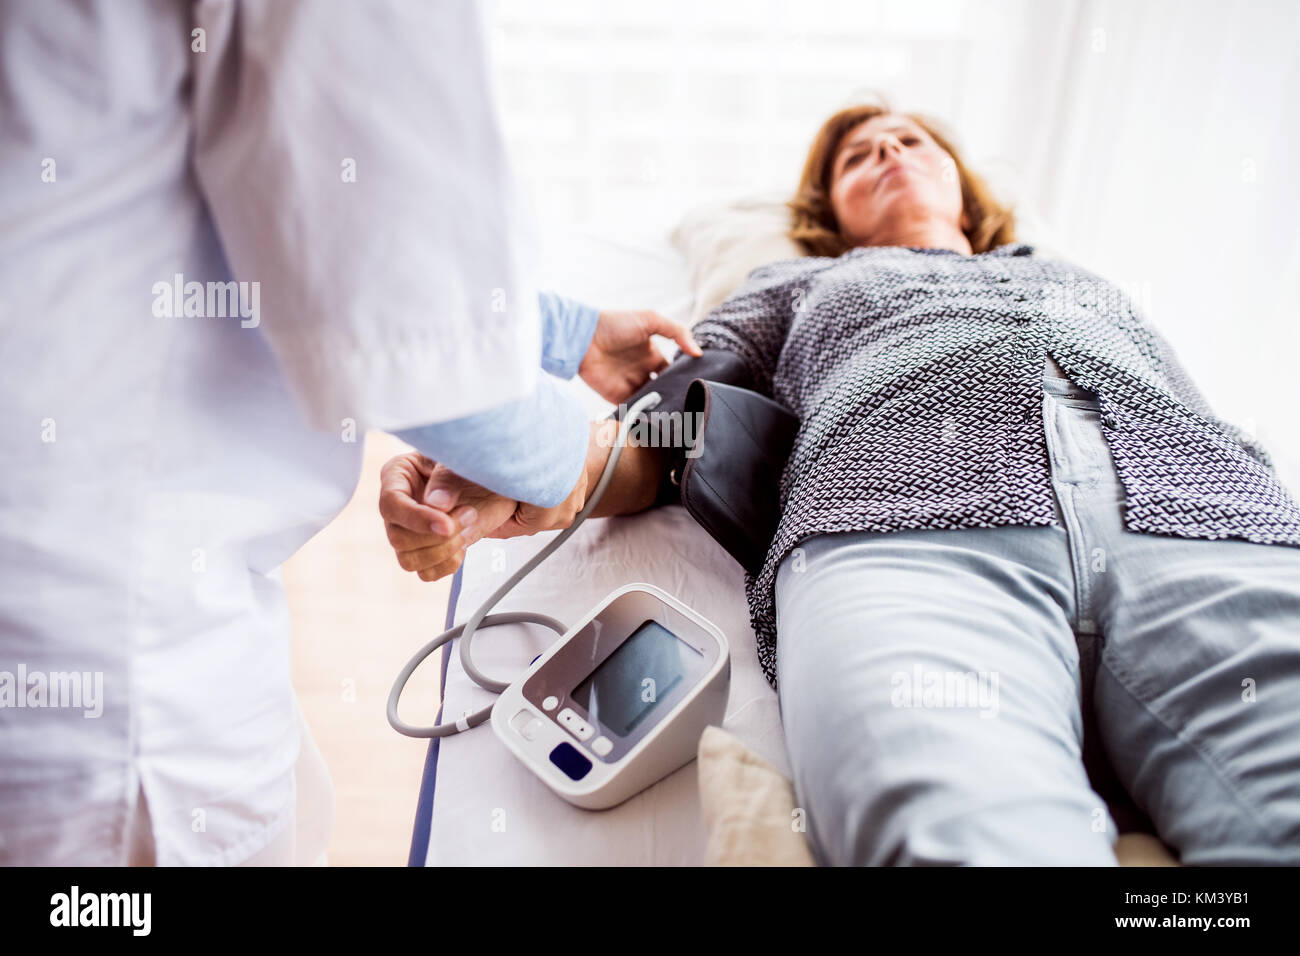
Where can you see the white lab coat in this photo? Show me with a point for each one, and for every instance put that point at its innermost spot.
(155, 469)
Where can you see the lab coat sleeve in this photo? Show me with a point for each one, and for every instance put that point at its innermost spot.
(531, 450)
(567, 329)
(350, 158)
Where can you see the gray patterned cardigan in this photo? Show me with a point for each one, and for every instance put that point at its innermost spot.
(917, 374)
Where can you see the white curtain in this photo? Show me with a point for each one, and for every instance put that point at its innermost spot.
(1160, 142)
(1156, 143)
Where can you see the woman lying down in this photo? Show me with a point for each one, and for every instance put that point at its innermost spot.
(1085, 538)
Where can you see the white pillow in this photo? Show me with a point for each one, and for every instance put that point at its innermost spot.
(724, 242)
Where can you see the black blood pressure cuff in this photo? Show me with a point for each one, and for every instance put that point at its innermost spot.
(671, 431)
(727, 473)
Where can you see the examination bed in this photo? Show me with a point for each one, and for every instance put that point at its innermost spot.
(478, 805)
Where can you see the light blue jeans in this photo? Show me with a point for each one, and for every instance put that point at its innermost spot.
(935, 685)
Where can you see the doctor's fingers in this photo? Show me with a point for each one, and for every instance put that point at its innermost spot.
(407, 471)
(449, 567)
(438, 555)
(404, 539)
(632, 378)
(433, 563)
(662, 325)
(656, 364)
(400, 482)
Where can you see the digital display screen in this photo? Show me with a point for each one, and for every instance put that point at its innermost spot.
(625, 689)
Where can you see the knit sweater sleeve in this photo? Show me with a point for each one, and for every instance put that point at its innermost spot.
(753, 321)
(741, 340)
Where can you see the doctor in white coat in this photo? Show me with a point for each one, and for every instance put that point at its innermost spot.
(233, 236)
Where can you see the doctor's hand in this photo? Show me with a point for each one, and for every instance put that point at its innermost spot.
(429, 540)
(622, 353)
(448, 491)
(432, 515)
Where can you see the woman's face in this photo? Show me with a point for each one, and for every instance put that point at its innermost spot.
(889, 173)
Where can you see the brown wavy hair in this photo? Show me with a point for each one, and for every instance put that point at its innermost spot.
(814, 225)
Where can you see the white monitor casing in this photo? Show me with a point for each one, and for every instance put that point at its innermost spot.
(532, 733)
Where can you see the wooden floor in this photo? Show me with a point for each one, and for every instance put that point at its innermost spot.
(357, 617)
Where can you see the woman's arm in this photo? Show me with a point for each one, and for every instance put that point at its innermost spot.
(637, 477)
(753, 322)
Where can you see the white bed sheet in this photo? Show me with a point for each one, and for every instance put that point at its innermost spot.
(488, 809)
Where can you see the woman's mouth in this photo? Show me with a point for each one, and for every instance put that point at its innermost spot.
(888, 173)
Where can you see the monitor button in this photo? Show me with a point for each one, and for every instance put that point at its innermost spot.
(574, 724)
(526, 724)
(602, 745)
(520, 722)
(550, 703)
(567, 758)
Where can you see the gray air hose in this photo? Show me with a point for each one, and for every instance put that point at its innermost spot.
(481, 618)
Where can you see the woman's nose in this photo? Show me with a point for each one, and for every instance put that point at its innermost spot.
(889, 144)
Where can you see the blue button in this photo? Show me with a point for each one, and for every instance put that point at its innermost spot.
(567, 758)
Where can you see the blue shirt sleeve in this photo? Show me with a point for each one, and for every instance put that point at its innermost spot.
(535, 448)
(531, 450)
(567, 328)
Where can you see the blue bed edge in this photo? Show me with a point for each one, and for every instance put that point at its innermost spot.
(429, 778)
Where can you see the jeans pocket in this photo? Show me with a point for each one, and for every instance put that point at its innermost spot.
(1072, 461)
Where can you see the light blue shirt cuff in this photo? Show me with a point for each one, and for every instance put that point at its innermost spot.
(567, 329)
(532, 450)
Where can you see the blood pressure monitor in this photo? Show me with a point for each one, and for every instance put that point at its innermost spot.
(620, 701)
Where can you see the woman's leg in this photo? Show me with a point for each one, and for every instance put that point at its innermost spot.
(1198, 693)
(930, 693)
(1197, 690)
